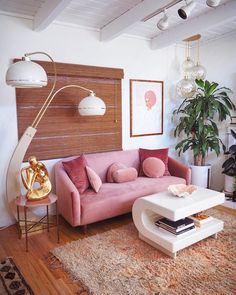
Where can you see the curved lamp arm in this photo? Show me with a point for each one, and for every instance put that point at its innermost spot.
(13, 187)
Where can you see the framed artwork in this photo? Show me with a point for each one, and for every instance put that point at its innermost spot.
(146, 107)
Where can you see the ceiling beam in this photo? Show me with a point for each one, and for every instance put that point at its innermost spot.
(130, 18)
(196, 25)
(48, 12)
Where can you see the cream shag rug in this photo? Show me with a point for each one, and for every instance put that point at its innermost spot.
(117, 262)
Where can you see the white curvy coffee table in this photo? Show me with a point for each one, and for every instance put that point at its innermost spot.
(147, 210)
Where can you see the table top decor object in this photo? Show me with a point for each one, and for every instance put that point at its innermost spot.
(182, 190)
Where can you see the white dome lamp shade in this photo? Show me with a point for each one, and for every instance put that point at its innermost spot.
(185, 11)
(198, 72)
(26, 74)
(163, 23)
(213, 3)
(92, 106)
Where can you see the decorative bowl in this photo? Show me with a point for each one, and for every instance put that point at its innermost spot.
(182, 190)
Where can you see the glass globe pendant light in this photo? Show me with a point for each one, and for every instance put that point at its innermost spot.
(186, 87)
(198, 71)
(188, 64)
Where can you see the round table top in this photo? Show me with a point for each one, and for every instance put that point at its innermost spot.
(23, 202)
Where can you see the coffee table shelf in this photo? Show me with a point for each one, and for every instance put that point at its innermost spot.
(148, 209)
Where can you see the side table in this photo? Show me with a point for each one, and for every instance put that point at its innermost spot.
(29, 225)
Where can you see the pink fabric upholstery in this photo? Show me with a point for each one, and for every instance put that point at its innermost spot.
(125, 175)
(113, 168)
(153, 167)
(113, 198)
(117, 198)
(94, 179)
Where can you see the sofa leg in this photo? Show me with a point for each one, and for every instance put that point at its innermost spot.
(85, 228)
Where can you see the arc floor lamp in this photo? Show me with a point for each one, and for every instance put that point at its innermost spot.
(28, 74)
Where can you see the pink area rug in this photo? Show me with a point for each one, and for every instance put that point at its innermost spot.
(117, 262)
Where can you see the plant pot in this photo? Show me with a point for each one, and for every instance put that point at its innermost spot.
(201, 175)
(229, 184)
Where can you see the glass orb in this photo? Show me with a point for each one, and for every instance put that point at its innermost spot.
(187, 65)
(186, 87)
(198, 72)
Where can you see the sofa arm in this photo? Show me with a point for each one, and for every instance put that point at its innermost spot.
(68, 197)
(178, 169)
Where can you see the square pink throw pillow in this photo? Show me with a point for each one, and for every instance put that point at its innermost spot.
(161, 154)
(77, 173)
(94, 179)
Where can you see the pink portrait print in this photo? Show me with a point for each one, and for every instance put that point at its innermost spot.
(150, 99)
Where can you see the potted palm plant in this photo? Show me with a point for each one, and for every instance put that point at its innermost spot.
(229, 169)
(197, 122)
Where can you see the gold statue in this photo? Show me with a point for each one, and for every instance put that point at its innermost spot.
(36, 180)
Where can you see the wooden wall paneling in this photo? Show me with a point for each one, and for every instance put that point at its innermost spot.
(62, 131)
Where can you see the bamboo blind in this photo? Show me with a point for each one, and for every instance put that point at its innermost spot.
(62, 131)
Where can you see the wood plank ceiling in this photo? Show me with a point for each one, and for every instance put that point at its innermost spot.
(112, 18)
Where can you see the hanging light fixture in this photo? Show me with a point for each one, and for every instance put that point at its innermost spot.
(198, 71)
(188, 63)
(185, 11)
(186, 87)
(163, 23)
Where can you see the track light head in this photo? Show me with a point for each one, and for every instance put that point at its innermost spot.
(185, 11)
(212, 3)
(163, 22)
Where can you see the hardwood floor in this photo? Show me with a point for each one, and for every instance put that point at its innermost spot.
(35, 265)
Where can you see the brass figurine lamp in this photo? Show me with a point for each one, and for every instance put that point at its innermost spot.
(28, 74)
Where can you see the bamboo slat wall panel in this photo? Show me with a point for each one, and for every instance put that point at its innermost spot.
(62, 131)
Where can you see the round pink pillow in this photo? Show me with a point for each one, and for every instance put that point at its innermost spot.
(112, 168)
(153, 167)
(124, 175)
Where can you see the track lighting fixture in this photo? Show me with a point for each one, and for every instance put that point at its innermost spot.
(185, 11)
(212, 3)
(163, 22)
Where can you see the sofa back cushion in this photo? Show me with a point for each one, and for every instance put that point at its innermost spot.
(100, 162)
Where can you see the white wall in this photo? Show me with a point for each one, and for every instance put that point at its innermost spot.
(74, 45)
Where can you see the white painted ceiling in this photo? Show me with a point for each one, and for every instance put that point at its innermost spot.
(116, 17)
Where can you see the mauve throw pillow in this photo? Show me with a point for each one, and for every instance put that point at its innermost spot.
(125, 175)
(77, 173)
(161, 154)
(112, 168)
(153, 167)
(94, 179)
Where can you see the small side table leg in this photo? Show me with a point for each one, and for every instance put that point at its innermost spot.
(47, 219)
(18, 222)
(57, 217)
(26, 230)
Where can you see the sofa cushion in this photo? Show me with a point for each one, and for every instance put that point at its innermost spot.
(94, 179)
(117, 198)
(112, 168)
(124, 175)
(153, 167)
(161, 154)
(77, 173)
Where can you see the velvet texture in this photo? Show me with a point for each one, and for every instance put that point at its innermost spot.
(112, 168)
(161, 154)
(94, 179)
(125, 175)
(153, 167)
(77, 173)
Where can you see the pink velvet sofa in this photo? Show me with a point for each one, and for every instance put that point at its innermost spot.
(113, 199)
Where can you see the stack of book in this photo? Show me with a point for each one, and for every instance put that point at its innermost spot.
(176, 227)
(201, 218)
